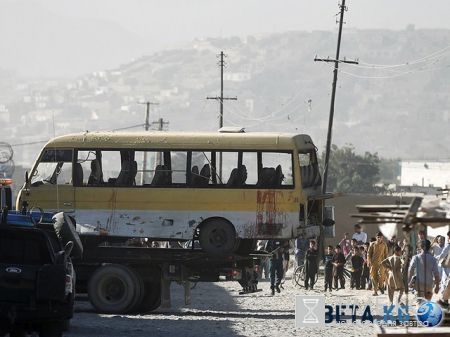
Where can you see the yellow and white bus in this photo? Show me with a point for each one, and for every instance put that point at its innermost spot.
(223, 189)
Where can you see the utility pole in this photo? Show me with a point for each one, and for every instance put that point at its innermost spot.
(147, 113)
(333, 94)
(146, 127)
(221, 64)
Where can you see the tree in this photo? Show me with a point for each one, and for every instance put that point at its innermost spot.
(352, 173)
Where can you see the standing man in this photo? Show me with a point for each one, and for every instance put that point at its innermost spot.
(394, 265)
(311, 265)
(277, 248)
(425, 267)
(378, 251)
(359, 235)
(445, 276)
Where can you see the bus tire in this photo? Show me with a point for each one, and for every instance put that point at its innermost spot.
(65, 228)
(217, 236)
(114, 289)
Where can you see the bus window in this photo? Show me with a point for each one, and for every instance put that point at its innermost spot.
(55, 167)
(250, 161)
(202, 171)
(178, 167)
(278, 165)
(309, 169)
(229, 168)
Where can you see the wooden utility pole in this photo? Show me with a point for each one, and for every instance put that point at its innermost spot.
(146, 127)
(221, 64)
(333, 94)
(147, 113)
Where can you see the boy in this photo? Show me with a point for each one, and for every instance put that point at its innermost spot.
(348, 258)
(311, 265)
(338, 267)
(365, 269)
(357, 265)
(327, 261)
(394, 265)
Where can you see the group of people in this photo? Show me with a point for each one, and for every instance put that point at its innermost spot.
(373, 264)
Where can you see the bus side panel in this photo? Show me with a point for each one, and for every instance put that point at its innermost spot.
(169, 213)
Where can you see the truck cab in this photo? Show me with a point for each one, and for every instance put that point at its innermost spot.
(37, 278)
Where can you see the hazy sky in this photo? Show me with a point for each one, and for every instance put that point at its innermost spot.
(172, 21)
(73, 37)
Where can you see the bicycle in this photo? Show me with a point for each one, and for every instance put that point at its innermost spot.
(299, 276)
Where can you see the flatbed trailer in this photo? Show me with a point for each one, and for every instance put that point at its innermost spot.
(121, 279)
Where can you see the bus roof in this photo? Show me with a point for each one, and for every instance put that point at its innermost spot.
(183, 140)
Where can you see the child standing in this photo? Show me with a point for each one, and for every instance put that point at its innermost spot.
(345, 244)
(357, 265)
(338, 267)
(365, 269)
(327, 261)
(311, 265)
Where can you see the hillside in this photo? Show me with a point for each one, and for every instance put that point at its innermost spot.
(394, 102)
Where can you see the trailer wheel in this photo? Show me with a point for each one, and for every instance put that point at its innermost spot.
(217, 236)
(65, 228)
(152, 297)
(114, 289)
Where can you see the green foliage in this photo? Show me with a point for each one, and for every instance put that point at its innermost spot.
(349, 172)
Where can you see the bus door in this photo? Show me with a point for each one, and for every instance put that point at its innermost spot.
(51, 185)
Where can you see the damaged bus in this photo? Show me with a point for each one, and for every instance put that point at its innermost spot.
(222, 189)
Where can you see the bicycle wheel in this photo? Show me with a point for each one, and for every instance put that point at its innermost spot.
(298, 277)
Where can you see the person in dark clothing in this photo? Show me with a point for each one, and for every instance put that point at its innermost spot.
(365, 269)
(311, 265)
(327, 261)
(338, 267)
(357, 266)
(277, 248)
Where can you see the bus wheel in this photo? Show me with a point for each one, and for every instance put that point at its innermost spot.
(114, 289)
(65, 228)
(246, 247)
(217, 237)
